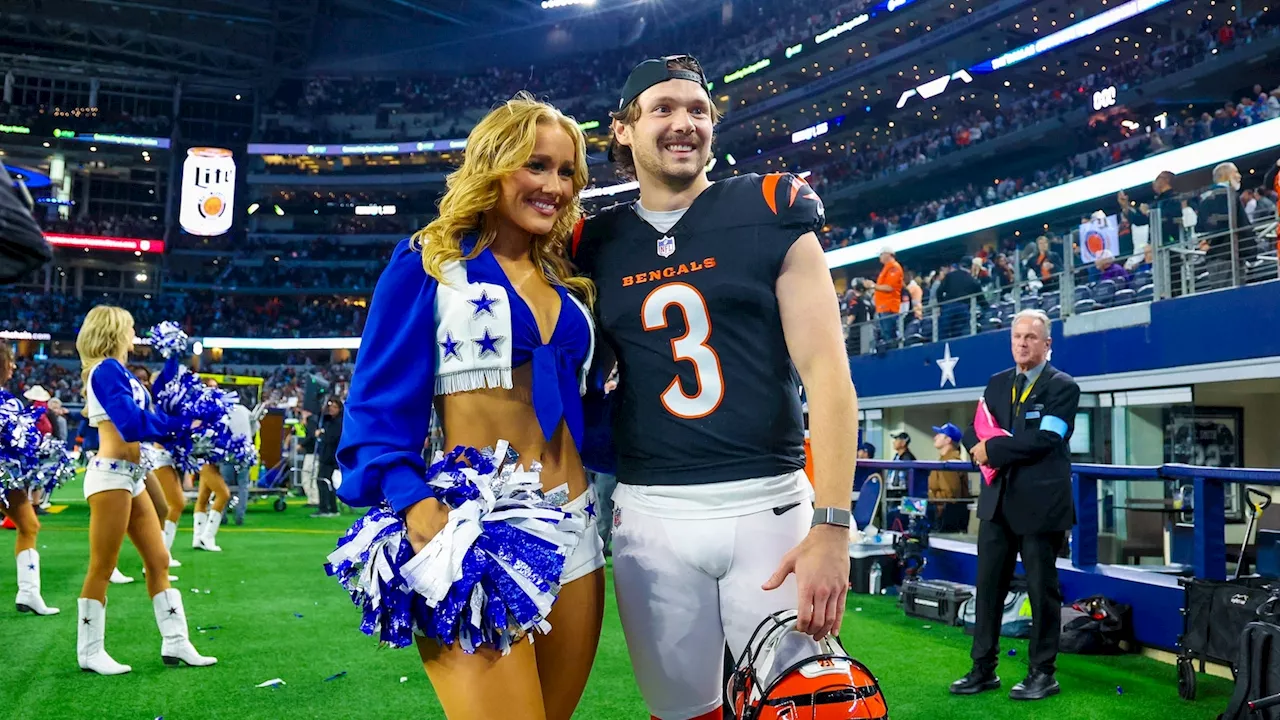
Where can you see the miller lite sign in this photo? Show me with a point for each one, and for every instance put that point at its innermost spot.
(208, 191)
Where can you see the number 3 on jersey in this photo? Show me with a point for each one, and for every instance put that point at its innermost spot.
(692, 347)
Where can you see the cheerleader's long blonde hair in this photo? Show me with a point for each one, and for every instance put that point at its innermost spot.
(107, 332)
(497, 147)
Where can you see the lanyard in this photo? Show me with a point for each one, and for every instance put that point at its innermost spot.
(1017, 401)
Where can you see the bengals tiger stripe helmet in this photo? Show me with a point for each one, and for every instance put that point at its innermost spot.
(827, 686)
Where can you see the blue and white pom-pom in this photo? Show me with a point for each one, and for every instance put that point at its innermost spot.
(168, 339)
(188, 399)
(486, 579)
(54, 466)
(19, 445)
(241, 452)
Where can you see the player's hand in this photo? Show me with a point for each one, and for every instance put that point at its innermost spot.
(424, 520)
(821, 565)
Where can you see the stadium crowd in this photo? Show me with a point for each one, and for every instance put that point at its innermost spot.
(130, 226)
(200, 313)
(868, 160)
(756, 29)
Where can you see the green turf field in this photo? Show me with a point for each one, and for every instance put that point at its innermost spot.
(279, 616)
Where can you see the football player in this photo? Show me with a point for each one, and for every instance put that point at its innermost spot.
(716, 301)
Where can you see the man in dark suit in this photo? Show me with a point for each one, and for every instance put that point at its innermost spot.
(1026, 509)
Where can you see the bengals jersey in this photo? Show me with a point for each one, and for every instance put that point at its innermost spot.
(707, 392)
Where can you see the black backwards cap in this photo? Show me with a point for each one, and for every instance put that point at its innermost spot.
(653, 71)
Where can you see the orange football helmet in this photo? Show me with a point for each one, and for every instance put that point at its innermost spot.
(827, 686)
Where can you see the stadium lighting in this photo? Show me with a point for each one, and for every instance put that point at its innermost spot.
(1245, 141)
(278, 210)
(140, 277)
(1069, 34)
(553, 4)
(609, 189)
(331, 343)
(254, 208)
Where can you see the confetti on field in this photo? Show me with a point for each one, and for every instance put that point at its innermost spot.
(274, 682)
(335, 677)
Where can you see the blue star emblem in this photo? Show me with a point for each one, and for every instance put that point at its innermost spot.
(484, 304)
(591, 509)
(31, 567)
(489, 343)
(115, 466)
(452, 348)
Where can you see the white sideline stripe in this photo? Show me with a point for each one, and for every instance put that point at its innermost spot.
(1255, 138)
(246, 343)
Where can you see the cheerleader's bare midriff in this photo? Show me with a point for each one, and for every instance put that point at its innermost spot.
(479, 418)
(113, 447)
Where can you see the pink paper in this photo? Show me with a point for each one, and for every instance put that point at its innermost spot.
(986, 427)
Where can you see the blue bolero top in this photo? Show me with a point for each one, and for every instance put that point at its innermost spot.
(115, 394)
(424, 338)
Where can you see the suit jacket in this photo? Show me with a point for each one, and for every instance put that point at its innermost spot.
(1032, 491)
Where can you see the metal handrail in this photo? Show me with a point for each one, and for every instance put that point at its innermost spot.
(1209, 556)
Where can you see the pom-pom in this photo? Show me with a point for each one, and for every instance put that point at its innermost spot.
(241, 452)
(168, 339)
(54, 466)
(188, 399)
(490, 576)
(20, 441)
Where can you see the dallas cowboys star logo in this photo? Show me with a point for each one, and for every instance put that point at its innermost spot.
(31, 566)
(591, 509)
(86, 621)
(484, 304)
(489, 343)
(173, 611)
(452, 348)
(947, 363)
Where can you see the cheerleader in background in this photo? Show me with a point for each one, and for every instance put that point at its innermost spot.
(23, 450)
(159, 463)
(179, 391)
(480, 314)
(116, 404)
(213, 487)
(242, 456)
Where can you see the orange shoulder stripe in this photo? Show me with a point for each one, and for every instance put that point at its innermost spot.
(770, 189)
(577, 236)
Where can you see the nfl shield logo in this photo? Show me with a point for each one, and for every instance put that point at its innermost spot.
(666, 246)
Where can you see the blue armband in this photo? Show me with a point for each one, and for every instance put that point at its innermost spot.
(1055, 425)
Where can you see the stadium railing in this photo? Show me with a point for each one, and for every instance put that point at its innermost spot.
(1206, 501)
(1179, 265)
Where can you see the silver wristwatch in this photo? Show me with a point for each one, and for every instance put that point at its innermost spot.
(831, 516)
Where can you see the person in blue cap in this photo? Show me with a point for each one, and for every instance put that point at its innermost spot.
(947, 484)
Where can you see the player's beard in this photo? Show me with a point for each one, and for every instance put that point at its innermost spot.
(670, 172)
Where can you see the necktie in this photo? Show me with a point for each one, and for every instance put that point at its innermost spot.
(1019, 385)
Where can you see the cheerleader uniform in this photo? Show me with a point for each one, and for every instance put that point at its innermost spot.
(29, 461)
(424, 338)
(114, 394)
